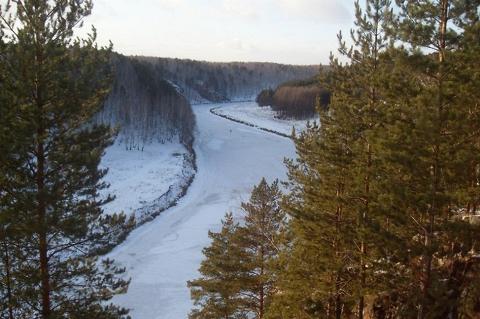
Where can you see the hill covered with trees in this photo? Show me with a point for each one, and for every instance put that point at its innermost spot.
(146, 107)
(202, 81)
(150, 98)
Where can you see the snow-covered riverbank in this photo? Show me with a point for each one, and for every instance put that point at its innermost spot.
(162, 255)
(264, 118)
(149, 181)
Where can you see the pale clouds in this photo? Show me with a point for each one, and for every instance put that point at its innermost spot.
(171, 4)
(330, 11)
(326, 11)
(286, 31)
(241, 8)
(236, 44)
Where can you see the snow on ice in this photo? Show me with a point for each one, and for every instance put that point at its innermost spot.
(161, 256)
(262, 117)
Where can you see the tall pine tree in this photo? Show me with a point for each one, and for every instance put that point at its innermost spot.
(52, 85)
(216, 293)
(261, 239)
(431, 156)
(335, 182)
(238, 279)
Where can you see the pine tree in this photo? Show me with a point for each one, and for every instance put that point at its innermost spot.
(385, 189)
(314, 279)
(13, 138)
(431, 158)
(333, 204)
(50, 206)
(260, 239)
(359, 89)
(238, 277)
(216, 293)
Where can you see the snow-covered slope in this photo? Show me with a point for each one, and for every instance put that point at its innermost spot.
(152, 162)
(152, 178)
(261, 117)
(162, 255)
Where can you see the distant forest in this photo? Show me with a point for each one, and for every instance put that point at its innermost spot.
(202, 81)
(150, 98)
(295, 99)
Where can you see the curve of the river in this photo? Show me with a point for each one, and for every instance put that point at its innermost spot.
(162, 255)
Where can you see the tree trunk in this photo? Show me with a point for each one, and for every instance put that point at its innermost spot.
(261, 305)
(41, 191)
(429, 229)
(42, 235)
(338, 300)
(8, 279)
(363, 248)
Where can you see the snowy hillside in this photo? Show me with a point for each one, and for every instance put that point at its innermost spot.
(162, 255)
(153, 178)
(146, 107)
(152, 162)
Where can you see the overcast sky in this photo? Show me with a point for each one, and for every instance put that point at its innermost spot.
(284, 31)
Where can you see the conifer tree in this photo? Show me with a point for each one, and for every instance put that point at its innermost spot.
(216, 293)
(385, 189)
(260, 239)
(431, 150)
(238, 279)
(52, 85)
(333, 204)
(358, 89)
(13, 137)
(314, 279)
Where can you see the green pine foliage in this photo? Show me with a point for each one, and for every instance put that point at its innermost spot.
(261, 239)
(50, 210)
(335, 184)
(238, 277)
(216, 292)
(431, 158)
(385, 189)
(384, 195)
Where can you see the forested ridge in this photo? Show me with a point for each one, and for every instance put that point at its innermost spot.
(145, 107)
(150, 98)
(382, 204)
(202, 81)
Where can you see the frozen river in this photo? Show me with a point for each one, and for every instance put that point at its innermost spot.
(162, 255)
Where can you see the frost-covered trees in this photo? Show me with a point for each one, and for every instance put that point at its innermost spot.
(209, 81)
(237, 275)
(146, 107)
